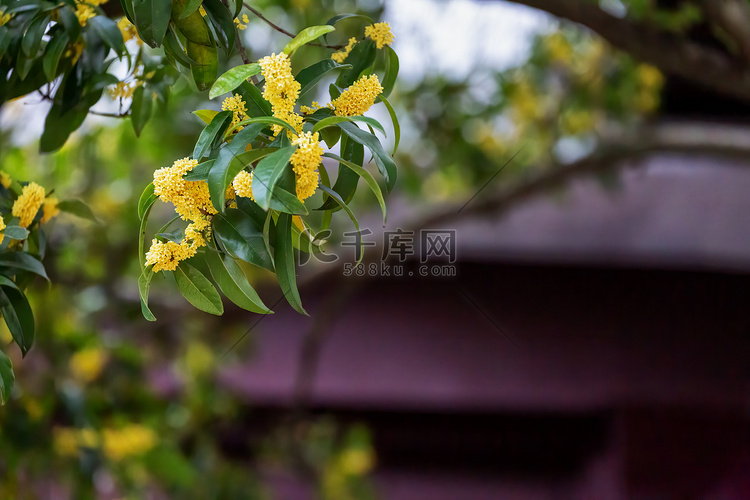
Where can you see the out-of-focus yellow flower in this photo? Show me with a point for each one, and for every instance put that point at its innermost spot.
(2, 228)
(84, 12)
(87, 364)
(199, 359)
(65, 441)
(558, 48)
(50, 209)
(28, 204)
(5, 180)
(129, 441)
(74, 51)
(4, 18)
(380, 33)
(124, 90)
(357, 461)
(129, 32)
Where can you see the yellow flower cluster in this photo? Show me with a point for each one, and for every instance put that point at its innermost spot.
(305, 161)
(2, 228)
(128, 30)
(341, 56)
(281, 90)
(237, 105)
(28, 204)
(359, 97)
(50, 209)
(190, 198)
(124, 90)
(380, 33)
(243, 184)
(87, 364)
(117, 444)
(650, 81)
(308, 110)
(242, 25)
(4, 18)
(5, 180)
(192, 202)
(131, 440)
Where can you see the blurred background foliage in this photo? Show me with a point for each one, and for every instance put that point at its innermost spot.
(110, 406)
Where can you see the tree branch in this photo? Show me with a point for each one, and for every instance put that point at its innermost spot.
(669, 52)
(282, 30)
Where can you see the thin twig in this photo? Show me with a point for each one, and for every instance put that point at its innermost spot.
(285, 32)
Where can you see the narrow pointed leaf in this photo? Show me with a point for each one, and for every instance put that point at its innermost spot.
(218, 125)
(233, 282)
(197, 289)
(18, 316)
(307, 35)
(284, 258)
(267, 174)
(239, 234)
(232, 79)
(7, 377)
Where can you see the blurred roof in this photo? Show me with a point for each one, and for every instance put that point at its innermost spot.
(668, 211)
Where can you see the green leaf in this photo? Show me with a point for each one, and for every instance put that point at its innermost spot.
(307, 35)
(385, 163)
(391, 70)
(23, 261)
(144, 283)
(284, 201)
(341, 17)
(334, 120)
(32, 39)
(144, 209)
(222, 21)
(269, 120)
(16, 232)
(233, 282)
(227, 165)
(267, 174)
(140, 110)
(256, 105)
(369, 179)
(233, 79)
(190, 7)
(214, 129)
(197, 289)
(54, 51)
(199, 172)
(333, 194)
(17, 314)
(152, 20)
(79, 209)
(394, 119)
(207, 115)
(174, 48)
(58, 126)
(311, 75)
(146, 200)
(207, 57)
(284, 257)
(7, 378)
(361, 58)
(109, 32)
(239, 234)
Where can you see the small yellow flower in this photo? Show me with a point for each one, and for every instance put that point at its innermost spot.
(340, 56)
(237, 105)
(129, 32)
(243, 24)
(305, 161)
(281, 90)
(2, 228)
(50, 209)
(28, 204)
(87, 364)
(243, 184)
(84, 12)
(131, 440)
(380, 33)
(358, 98)
(5, 180)
(4, 18)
